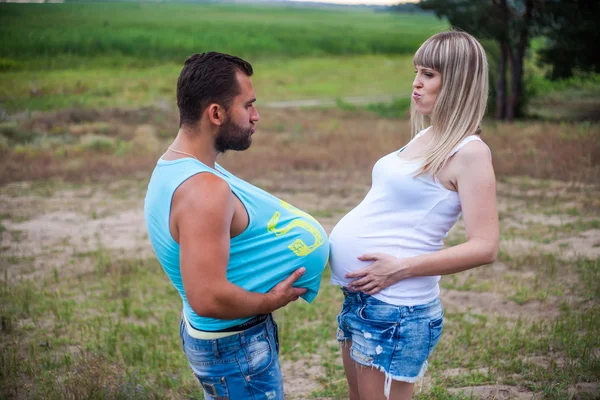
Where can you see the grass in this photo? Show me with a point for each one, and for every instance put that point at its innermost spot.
(139, 32)
(131, 55)
(274, 80)
(299, 142)
(100, 318)
(581, 85)
(543, 233)
(531, 277)
(118, 322)
(469, 284)
(108, 316)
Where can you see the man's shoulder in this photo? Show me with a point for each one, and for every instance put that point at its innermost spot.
(204, 188)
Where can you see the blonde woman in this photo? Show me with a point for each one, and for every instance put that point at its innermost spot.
(387, 253)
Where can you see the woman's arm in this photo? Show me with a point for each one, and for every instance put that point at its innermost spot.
(476, 185)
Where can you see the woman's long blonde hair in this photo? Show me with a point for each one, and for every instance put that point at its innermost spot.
(461, 101)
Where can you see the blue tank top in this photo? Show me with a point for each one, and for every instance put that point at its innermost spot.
(278, 240)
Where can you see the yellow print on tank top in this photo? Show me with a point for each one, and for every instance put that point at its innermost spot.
(299, 247)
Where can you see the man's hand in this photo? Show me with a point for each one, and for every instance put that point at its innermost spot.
(206, 197)
(283, 293)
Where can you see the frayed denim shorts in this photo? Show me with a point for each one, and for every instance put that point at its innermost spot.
(397, 340)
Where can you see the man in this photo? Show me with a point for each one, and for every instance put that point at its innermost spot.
(234, 252)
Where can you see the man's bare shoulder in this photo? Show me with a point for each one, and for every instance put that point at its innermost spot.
(202, 191)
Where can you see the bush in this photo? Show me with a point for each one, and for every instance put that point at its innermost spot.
(8, 64)
(398, 108)
(11, 131)
(4, 145)
(98, 143)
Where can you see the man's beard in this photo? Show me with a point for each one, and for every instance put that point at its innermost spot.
(232, 137)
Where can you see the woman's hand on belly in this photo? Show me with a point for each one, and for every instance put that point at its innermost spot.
(383, 272)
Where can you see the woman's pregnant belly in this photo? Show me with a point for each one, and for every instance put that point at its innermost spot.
(351, 238)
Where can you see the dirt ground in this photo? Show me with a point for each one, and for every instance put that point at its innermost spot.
(45, 224)
(45, 231)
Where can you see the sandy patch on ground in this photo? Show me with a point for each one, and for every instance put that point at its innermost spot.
(585, 387)
(302, 376)
(493, 304)
(494, 392)
(125, 231)
(50, 240)
(585, 244)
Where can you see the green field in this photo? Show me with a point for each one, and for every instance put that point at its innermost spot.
(55, 56)
(136, 34)
(274, 80)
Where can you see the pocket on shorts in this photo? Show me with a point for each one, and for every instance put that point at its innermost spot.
(276, 335)
(259, 355)
(345, 308)
(379, 314)
(181, 330)
(214, 388)
(435, 332)
(197, 354)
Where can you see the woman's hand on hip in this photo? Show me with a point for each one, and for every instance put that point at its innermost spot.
(377, 276)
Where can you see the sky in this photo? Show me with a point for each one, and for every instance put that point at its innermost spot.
(369, 2)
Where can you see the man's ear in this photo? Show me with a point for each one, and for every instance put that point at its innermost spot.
(216, 114)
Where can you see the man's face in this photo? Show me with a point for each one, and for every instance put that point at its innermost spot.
(240, 124)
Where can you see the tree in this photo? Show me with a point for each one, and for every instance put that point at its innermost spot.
(572, 36)
(511, 23)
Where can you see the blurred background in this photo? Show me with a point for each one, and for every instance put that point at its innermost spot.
(87, 105)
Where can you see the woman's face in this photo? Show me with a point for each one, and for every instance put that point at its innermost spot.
(426, 87)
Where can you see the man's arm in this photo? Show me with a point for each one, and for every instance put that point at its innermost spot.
(202, 209)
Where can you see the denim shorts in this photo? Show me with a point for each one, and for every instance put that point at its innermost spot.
(397, 340)
(240, 366)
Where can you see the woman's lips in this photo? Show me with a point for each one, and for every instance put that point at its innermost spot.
(416, 96)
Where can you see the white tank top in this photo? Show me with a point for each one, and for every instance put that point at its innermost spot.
(402, 215)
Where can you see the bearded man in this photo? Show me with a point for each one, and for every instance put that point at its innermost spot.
(234, 252)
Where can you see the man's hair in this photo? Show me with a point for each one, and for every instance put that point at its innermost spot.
(461, 102)
(205, 79)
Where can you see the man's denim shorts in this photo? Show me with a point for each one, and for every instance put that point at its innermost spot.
(396, 340)
(240, 366)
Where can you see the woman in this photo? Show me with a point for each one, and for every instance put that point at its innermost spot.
(387, 253)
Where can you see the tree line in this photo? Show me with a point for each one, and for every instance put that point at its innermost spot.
(569, 29)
